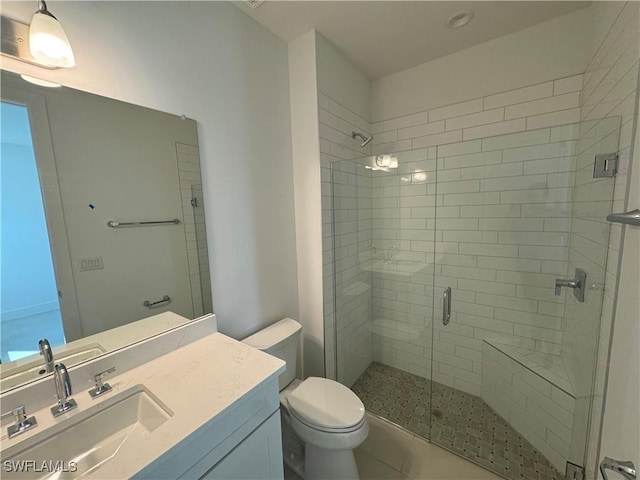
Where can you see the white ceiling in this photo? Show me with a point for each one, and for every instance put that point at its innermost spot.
(384, 37)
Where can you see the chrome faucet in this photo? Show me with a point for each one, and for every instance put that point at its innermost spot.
(47, 353)
(63, 390)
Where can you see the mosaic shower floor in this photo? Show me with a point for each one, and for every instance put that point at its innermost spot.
(462, 422)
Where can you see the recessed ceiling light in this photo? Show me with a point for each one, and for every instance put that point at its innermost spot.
(459, 19)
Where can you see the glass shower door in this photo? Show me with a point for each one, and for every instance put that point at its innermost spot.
(383, 220)
(513, 369)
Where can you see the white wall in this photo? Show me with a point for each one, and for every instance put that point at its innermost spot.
(306, 168)
(558, 48)
(340, 80)
(213, 63)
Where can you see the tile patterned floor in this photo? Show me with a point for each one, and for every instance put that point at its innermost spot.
(464, 424)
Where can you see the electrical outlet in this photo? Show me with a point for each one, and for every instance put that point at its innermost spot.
(90, 263)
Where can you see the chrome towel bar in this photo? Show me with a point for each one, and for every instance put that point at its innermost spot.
(114, 224)
(165, 299)
(629, 218)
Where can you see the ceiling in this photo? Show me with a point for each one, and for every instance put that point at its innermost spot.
(384, 37)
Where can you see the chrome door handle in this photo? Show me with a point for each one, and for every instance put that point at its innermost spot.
(446, 306)
(626, 469)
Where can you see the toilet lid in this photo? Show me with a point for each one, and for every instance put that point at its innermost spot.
(326, 403)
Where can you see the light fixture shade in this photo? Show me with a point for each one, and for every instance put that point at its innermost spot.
(48, 43)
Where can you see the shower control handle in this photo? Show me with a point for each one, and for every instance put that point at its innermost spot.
(446, 306)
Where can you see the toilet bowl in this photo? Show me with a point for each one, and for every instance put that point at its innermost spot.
(322, 420)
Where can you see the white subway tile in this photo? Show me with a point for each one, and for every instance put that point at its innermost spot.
(528, 318)
(473, 159)
(545, 105)
(489, 250)
(492, 171)
(514, 140)
(385, 137)
(562, 117)
(518, 96)
(557, 180)
(421, 130)
(437, 139)
(565, 132)
(550, 165)
(469, 236)
(488, 211)
(537, 152)
(486, 287)
(515, 264)
(534, 238)
(406, 121)
(462, 148)
(475, 119)
(456, 110)
(544, 253)
(512, 224)
(467, 186)
(487, 198)
(568, 84)
(551, 195)
(547, 210)
(494, 129)
(391, 147)
(513, 183)
(507, 302)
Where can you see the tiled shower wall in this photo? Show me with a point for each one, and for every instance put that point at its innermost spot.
(351, 207)
(194, 227)
(505, 171)
(609, 98)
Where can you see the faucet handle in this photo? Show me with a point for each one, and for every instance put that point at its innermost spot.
(22, 423)
(100, 387)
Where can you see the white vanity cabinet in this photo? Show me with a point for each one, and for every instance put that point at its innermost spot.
(243, 442)
(258, 457)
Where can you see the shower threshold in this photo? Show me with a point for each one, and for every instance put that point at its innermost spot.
(460, 422)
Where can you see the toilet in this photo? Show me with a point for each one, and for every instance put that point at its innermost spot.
(322, 420)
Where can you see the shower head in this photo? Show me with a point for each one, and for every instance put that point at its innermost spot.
(365, 140)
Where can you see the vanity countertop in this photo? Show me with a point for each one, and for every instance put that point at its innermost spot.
(196, 383)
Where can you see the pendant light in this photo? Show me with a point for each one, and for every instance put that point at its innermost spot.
(47, 41)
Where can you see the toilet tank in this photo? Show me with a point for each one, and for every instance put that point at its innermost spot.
(279, 340)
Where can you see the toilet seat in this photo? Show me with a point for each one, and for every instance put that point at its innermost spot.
(326, 405)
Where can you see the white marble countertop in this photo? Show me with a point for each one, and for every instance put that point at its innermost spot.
(196, 382)
(102, 342)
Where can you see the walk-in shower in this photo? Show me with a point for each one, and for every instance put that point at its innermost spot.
(506, 379)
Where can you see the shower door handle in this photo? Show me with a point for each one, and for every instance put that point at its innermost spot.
(446, 306)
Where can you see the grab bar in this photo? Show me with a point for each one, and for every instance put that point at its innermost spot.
(165, 299)
(629, 218)
(114, 224)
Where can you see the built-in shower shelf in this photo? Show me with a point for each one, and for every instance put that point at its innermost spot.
(546, 365)
(532, 392)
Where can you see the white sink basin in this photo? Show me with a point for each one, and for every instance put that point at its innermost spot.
(83, 443)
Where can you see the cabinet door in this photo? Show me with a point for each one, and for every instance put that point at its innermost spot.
(257, 457)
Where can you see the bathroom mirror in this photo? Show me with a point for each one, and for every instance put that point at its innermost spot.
(102, 224)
